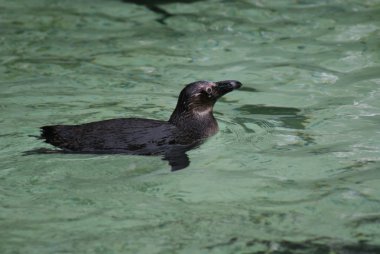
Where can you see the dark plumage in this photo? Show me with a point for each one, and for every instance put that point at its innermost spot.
(191, 122)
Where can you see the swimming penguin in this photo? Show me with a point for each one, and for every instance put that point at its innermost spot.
(189, 125)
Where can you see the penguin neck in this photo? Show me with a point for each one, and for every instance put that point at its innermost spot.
(199, 123)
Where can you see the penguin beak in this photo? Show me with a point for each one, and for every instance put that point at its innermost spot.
(226, 86)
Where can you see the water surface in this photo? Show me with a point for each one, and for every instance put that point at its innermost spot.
(294, 168)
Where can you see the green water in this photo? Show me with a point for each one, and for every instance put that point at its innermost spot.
(295, 167)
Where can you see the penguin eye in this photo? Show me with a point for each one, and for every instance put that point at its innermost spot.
(207, 92)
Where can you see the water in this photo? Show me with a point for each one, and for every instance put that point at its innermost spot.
(294, 168)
